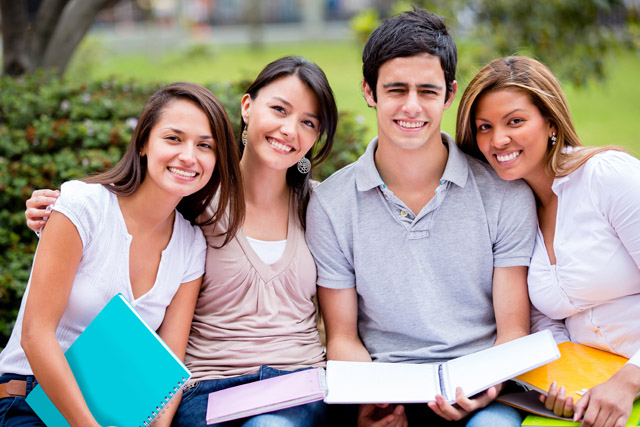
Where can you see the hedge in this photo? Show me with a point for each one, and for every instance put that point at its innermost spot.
(53, 130)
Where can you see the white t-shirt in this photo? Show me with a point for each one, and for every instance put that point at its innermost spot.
(104, 268)
(592, 294)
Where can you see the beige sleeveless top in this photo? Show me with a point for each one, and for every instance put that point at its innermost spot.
(250, 314)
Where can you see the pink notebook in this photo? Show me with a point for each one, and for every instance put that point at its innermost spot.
(267, 395)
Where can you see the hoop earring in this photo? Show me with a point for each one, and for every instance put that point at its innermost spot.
(243, 136)
(304, 165)
(553, 138)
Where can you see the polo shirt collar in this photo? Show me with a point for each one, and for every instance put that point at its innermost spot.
(368, 177)
(457, 169)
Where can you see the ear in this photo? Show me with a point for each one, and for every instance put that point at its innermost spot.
(245, 108)
(368, 93)
(143, 150)
(452, 95)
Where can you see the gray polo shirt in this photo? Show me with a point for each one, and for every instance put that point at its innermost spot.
(424, 282)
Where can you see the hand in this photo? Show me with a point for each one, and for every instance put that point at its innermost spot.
(36, 212)
(556, 401)
(609, 404)
(464, 406)
(382, 414)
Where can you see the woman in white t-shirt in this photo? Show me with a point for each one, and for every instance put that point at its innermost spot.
(584, 278)
(102, 239)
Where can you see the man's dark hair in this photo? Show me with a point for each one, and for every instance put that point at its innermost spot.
(409, 33)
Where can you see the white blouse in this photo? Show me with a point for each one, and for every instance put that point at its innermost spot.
(592, 294)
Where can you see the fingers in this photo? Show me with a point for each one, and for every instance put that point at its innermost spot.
(379, 415)
(550, 401)
(580, 406)
(446, 410)
(38, 208)
(558, 407)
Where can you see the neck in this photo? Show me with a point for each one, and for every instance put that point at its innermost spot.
(147, 210)
(400, 168)
(262, 185)
(541, 186)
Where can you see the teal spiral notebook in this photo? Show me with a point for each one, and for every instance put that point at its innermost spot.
(126, 373)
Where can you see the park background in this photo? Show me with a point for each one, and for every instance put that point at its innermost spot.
(63, 118)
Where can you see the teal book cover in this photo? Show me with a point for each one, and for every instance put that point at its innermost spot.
(126, 373)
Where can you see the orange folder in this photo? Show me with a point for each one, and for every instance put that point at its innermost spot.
(578, 369)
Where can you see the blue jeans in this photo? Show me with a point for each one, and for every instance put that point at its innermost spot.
(193, 406)
(496, 415)
(14, 411)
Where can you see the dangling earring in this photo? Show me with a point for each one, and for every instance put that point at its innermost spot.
(304, 165)
(243, 137)
(553, 138)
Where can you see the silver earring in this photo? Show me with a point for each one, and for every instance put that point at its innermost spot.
(553, 138)
(243, 137)
(304, 165)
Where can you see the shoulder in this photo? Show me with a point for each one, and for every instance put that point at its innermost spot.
(612, 165)
(80, 189)
(190, 235)
(336, 189)
(490, 183)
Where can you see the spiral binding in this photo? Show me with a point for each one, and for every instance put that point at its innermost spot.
(161, 409)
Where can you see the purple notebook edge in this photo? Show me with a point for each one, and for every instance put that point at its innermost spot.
(271, 394)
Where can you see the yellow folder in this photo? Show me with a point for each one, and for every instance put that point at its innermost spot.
(578, 369)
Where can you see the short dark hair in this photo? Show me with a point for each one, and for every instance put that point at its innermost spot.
(314, 78)
(127, 176)
(407, 34)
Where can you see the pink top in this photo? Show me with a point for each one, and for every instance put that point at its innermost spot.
(250, 314)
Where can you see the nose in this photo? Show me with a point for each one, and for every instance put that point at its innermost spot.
(411, 105)
(288, 128)
(188, 154)
(501, 137)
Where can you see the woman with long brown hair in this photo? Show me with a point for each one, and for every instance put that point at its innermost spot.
(103, 238)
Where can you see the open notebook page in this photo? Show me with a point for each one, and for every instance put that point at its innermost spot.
(368, 382)
(478, 371)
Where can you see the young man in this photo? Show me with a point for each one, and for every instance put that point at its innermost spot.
(421, 250)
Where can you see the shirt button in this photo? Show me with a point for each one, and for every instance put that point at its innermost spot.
(403, 213)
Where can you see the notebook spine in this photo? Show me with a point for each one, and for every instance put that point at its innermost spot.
(166, 402)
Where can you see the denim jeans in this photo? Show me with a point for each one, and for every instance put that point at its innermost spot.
(193, 406)
(14, 411)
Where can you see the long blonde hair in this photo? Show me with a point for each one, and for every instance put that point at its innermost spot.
(535, 80)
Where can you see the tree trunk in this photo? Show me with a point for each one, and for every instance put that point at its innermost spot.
(51, 38)
(15, 60)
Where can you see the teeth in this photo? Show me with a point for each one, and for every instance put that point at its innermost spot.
(506, 158)
(410, 125)
(279, 146)
(182, 173)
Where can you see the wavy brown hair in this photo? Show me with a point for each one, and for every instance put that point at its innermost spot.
(126, 176)
(536, 81)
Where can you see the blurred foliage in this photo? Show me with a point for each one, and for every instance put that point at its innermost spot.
(576, 38)
(54, 130)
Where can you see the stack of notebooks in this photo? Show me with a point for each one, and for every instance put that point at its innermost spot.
(578, 369)
(366, 382)
(126, 373)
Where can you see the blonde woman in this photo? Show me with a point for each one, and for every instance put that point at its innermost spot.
(584, 278)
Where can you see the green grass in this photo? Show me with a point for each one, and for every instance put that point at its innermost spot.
(604, 113)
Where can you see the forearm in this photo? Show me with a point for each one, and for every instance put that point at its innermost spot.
(347, 348)
(56, 378)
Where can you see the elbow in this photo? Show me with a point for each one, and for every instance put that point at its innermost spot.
(29, 338)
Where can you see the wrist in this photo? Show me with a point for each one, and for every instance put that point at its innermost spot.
(629, 377)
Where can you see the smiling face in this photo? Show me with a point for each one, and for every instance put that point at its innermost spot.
(282, 123)
(180, 150)
(512, 134)
(411, 94)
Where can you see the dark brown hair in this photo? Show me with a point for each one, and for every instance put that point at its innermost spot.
(126, 176)
(314, 78)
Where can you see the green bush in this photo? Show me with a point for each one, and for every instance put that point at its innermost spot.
(52, 130)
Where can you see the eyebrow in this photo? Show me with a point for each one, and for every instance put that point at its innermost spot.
(405, 85)
(505, 116)
(288, 104)
(180, 132)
